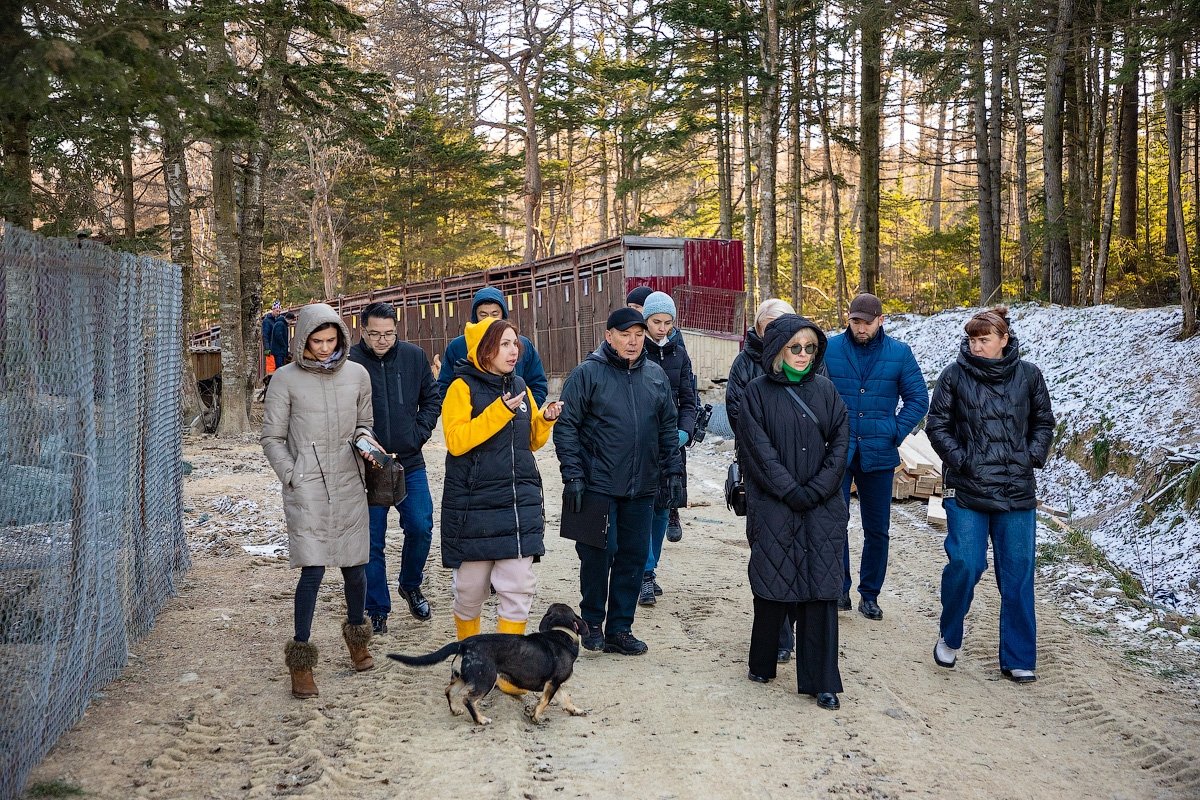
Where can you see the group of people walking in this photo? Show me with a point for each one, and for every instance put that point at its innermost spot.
(813, 417)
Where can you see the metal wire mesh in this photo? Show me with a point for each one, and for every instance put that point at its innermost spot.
(720, 312)
(91, 534)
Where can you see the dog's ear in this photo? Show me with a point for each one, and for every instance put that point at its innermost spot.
(581, 627)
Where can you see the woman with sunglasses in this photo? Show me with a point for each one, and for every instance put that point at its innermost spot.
(792, 429)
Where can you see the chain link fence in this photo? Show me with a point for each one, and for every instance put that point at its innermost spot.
(91, 533)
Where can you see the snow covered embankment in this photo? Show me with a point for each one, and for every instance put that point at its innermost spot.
(1123, 390)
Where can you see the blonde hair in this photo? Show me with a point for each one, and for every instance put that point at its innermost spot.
(770, 309)
(777, 364)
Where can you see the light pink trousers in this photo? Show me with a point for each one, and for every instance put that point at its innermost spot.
(514, 581)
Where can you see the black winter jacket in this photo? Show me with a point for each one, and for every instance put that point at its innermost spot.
(492, 500)
(795, 556)
(405, 398)
(617, 428)
(991, 422)
(674, 359)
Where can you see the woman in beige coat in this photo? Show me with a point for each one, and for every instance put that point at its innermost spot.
(320, 405)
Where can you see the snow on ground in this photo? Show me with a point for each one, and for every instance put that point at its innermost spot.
(1114, 372)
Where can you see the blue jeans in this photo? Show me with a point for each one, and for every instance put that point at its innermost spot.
(875, 509)
(658, 532)
(416, 519)
(610, 579)
(1012, 536)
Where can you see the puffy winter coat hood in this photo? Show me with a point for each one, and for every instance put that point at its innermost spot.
(311, 317)
(992, 424)
(488, 294)
(779, 333)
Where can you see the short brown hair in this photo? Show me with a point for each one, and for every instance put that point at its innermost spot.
(489, 345)
(994, 320)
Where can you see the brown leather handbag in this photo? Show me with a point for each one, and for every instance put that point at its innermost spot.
(385, 483)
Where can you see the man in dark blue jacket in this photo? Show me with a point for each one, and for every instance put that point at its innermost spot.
(872, 373)
(616, 436)
(407, 403)
(489, 302)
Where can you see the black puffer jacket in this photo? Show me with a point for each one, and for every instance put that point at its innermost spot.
(795, 556)
(991, 422)
(674, 359)
(617, 428)
(405, 398)
(492, 500)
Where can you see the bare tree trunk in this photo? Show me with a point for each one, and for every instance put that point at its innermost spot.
(1110, 196)
(939, 155)
(128, 201)
(749, 219)
(797, 176)
(1058, 243)
(768, 151)
(989, 267)
(1187, 298)
(1021, 156)
(235, 396)
(179, 221)
(833, 180)
(16, 166)
(870, 25)
(724, 156)
(1130, 70)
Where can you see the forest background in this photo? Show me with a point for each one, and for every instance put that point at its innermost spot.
(938, 153)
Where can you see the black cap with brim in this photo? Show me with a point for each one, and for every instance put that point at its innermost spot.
(625, 318)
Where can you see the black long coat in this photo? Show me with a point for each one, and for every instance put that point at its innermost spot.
(795, 555)
(991, 422)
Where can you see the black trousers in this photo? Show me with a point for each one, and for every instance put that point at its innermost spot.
(306, 597)
(816, 643)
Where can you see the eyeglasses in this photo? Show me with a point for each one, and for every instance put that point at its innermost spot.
(377, 336)
(797, 349)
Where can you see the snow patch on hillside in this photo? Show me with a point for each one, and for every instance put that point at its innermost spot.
(1114, 369)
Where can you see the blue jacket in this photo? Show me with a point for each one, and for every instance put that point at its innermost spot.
(278, 344)
(528, 368)
(871, 379)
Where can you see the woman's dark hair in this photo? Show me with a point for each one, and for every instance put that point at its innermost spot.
(381, 310)
(994, 320)
(489, 345)
(323, 327)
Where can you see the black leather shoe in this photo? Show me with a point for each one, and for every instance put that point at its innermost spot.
(624, 643)
(783, 656)
(594, 641)
(844, 602)
(379, 624)
(757, 678)
(418, 606)
(828, 700)
(870, 609)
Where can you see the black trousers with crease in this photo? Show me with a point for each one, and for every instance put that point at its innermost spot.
(816, 643)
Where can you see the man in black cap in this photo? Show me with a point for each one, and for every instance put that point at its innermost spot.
(872, 372)
(615, 438)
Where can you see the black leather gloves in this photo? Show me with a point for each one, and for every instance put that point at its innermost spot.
(573, 496)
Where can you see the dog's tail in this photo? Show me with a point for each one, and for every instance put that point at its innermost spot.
(432, 658)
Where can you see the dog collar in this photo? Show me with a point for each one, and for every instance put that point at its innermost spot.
(573, 634)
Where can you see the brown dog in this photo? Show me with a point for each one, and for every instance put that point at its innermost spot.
(538, 662)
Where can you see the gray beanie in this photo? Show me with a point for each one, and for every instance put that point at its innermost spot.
(658, 303)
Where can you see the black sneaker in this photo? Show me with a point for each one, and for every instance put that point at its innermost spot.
(418, 606)
(379, 624)
(657, 588)
(624, 643)
(594, 640)
(783, 656)
(646, 595)
(870, 609)
(674, 526)
(844, 602)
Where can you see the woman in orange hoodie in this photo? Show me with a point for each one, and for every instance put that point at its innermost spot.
(492, 513)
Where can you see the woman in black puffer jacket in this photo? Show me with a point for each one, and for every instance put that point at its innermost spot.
(990, 420)
(796, 517)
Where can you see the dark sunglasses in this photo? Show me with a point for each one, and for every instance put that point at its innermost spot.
(797, 349)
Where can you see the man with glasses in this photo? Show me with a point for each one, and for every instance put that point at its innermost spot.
(407, 403)
(872, 372)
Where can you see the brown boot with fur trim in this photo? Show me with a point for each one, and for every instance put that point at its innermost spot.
(301, 658)
(357, 638)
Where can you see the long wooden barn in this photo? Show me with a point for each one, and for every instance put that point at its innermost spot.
(561, 302)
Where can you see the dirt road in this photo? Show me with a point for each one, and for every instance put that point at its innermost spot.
(203, 709)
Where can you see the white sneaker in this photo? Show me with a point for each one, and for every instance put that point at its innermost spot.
(944, 655)
(1019, 675)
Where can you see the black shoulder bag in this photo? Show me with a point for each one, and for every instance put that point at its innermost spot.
(735, 490)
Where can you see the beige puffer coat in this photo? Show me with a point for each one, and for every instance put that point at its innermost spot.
(311, 417)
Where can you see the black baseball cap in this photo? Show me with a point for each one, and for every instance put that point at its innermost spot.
(625, 318)
(866, 308)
